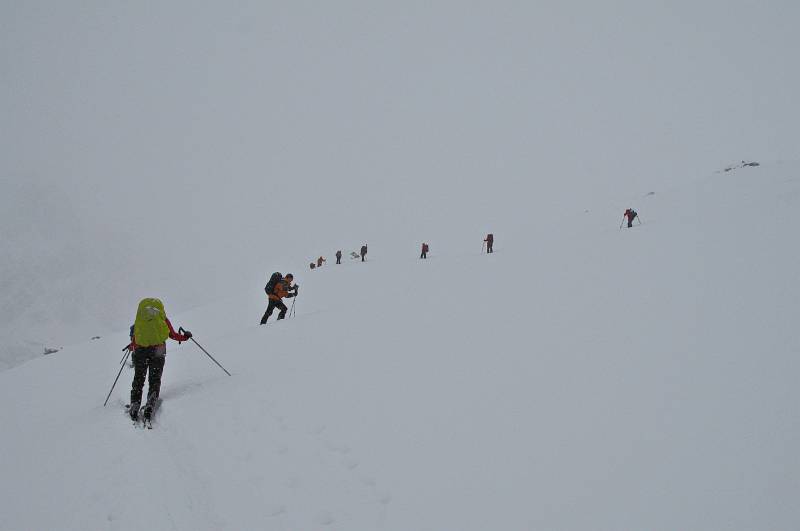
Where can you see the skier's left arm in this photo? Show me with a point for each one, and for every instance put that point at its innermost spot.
(177, 336)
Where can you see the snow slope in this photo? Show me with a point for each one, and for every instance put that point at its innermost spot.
(582, 377)
(270, 131)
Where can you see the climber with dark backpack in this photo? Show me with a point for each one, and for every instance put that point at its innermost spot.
(277, 289)
(273, 280)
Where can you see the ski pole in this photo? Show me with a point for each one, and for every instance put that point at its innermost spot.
(483, 245)
(127, 349)
(117, 378)
(207, 354)
(291, 310)
(621, 222)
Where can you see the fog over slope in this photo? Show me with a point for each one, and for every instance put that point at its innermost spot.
(187, 150)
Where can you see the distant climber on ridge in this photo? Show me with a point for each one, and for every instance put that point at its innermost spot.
(338, 257)
(489, 243)
(149, 334)
(424, 251)
(363, 251)
(631, 215)
(320, 261)
(278, 288)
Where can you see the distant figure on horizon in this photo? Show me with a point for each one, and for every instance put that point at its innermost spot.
(312, 265)
(363, 251)
(320, 261)
(424, 251)
(631, 215)
(489, 242)
(338, 257)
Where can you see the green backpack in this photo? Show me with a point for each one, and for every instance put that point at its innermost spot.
(150, 327)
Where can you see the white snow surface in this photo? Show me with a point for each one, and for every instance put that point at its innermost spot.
(581, 377)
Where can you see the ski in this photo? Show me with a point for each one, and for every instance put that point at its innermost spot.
(143, 419)
(138, 420)
(147, 416)
(134, 420)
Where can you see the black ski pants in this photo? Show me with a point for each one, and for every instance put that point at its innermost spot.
(423, 255)
(338, 260)
(271, 308)
(148, 362)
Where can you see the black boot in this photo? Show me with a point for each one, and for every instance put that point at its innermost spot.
(134, 410)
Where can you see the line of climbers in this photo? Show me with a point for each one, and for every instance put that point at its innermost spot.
(354, 255)
(152, 328)
(488, 243)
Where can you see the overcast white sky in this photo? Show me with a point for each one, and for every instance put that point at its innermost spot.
(184, 149)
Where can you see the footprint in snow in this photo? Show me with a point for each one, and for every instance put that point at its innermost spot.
(337, 448)
(276, 510)
(281, 420)
(324, 518)
(350, 463)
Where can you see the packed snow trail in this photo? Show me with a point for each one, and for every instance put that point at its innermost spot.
(581, 377)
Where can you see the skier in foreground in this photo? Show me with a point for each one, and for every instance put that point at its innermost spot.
(148, 340)
(278, 288)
